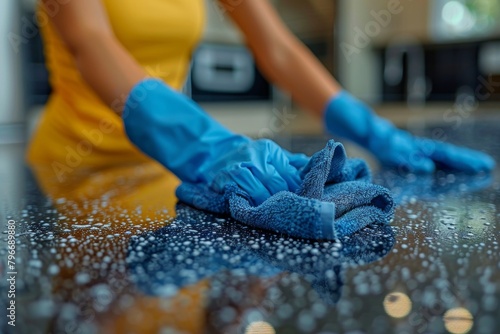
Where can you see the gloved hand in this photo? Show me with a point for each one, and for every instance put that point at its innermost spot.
(173, 130)
(350, 118)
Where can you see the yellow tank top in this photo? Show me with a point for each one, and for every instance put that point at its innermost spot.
(77, 128)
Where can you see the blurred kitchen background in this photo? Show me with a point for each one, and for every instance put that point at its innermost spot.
(415, 61)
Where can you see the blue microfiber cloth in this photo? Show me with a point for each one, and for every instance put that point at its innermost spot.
(335, 199)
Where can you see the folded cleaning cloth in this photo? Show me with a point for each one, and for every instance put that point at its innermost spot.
(335, 199)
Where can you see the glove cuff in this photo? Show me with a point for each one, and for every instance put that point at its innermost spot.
(350, 118)
(174, 130)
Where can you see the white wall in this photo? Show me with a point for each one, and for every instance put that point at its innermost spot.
(10, 75)
(357, 72)
(219, 28)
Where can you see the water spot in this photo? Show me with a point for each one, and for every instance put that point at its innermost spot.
(78, 226)
(82, 278)
(35, 263)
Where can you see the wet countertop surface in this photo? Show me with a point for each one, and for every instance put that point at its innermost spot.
(110, 250)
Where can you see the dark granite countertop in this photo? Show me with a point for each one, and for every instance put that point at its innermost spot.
(110, 251)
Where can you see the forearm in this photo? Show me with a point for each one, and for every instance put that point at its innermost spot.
(109, 69)
(296, 70)
(103, 62)
(281, 57)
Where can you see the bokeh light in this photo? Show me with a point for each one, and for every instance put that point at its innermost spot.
(260, 327)
(397, 304)
(453, 12)
(458, 320)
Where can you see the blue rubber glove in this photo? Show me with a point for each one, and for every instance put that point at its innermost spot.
(173, 130)
(350, 118)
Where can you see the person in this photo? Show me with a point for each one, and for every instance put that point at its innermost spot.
(116, 68)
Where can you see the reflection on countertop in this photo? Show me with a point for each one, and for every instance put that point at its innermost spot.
(110, 251)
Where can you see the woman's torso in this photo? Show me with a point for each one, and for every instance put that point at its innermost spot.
(77, 128)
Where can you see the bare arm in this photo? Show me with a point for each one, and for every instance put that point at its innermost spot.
(103, 62)
(282, 58)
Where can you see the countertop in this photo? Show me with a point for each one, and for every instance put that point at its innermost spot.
(111, 251)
